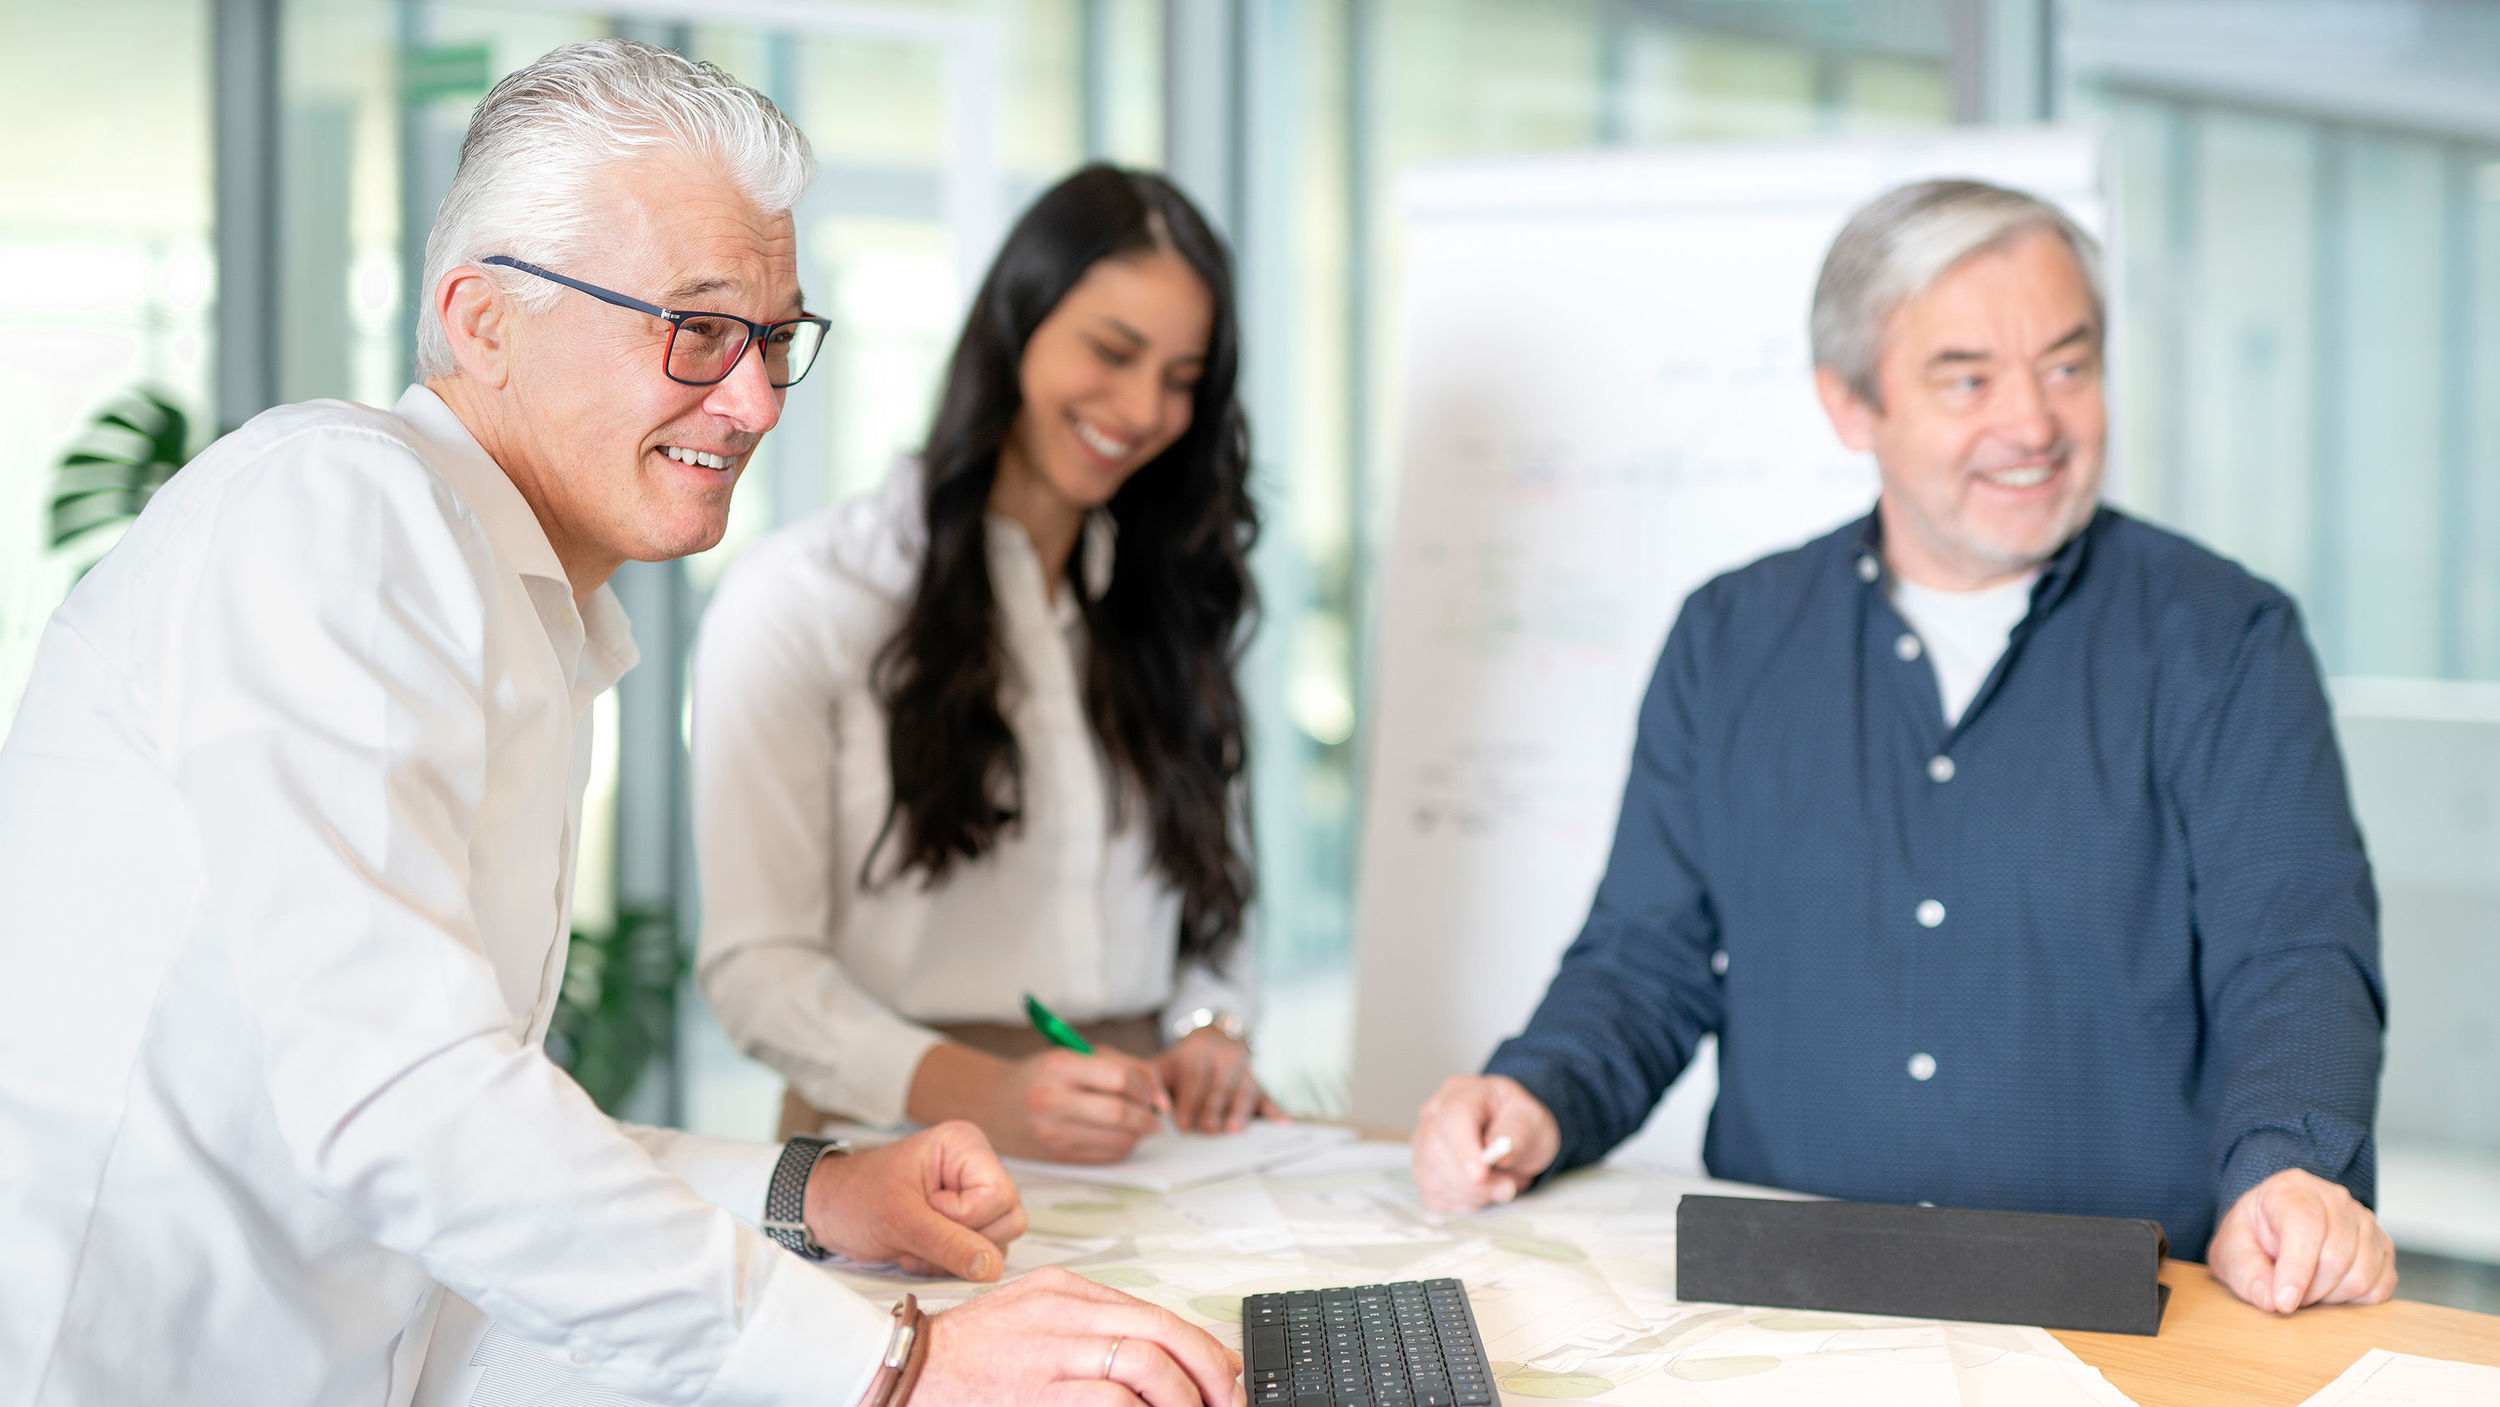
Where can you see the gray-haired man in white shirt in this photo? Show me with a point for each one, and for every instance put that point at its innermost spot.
(287, 827)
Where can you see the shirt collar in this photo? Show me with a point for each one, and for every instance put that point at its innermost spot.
(518, 538)
(2057, 575)
(1097, 549)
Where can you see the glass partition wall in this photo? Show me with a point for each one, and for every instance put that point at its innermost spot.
(2312, 210)
(105, 220)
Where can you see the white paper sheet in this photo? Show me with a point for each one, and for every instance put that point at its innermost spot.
(1573, 1288)
(2383, 1379)
(1168, 1162)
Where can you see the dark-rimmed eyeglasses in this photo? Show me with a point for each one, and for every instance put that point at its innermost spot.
(703, 348)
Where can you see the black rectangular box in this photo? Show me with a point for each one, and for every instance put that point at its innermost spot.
(2059, 1272)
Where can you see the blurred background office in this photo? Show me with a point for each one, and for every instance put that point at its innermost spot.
(225, 200)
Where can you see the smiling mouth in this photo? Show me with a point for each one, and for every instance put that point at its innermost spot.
(2024, 476)
(695, 457)
(1101, 443)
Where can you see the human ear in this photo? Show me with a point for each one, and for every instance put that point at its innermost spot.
(1852, 418)
(477, 321)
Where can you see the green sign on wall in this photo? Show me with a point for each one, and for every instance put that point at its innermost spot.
(445, 71)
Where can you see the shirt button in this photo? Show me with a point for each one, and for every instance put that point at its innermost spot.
(1906, 647)
(1930, 913)
(1922, 1067)
(1718, 962)
(1868, 568)
(1940, 768)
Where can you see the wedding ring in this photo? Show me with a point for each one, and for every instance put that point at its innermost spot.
(1106, 1358)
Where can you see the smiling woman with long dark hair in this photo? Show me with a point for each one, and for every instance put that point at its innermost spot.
(978, 734)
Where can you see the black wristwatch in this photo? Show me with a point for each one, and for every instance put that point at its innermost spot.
(785, 1201)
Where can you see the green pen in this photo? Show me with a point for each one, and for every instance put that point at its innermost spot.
(1058, 1032)
(1064, 1036)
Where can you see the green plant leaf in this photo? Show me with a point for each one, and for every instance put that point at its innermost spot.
(128, 452)
(617, 1009)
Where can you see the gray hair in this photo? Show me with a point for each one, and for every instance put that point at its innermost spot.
(1901, 242)
(547, 136)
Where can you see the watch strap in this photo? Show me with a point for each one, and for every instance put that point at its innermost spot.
(785, 1200)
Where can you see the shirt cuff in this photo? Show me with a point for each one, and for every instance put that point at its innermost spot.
(1551, 1088)
(731, 1174)
(1198, 986)
(2326, 1145)
(810, 1338)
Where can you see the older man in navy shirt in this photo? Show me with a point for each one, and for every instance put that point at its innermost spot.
(2001, 838)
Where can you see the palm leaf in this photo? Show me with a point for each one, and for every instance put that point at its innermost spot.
(617, 1010)
(125, 456)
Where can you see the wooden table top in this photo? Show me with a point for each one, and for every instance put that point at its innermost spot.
(2215, 1351)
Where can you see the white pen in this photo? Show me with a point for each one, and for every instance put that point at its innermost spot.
(1496, 1151)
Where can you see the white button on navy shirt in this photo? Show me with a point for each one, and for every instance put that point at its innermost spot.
(1922, 1067)
(1940, 768)
(1930, 913)
(1907, 647)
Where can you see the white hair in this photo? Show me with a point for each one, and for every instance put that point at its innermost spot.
(544, 141)
(1901, 242)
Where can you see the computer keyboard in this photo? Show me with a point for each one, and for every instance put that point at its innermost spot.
(1408, 1344)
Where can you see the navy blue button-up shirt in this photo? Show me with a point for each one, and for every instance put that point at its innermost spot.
(2119, 958)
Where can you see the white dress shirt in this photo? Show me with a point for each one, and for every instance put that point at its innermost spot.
(286, 856)
(828, 981)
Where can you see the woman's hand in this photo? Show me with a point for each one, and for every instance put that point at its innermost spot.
(1213, 1091)
(1058, 1106)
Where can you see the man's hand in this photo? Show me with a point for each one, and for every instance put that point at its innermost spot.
(2298, 1239)
(1212, 1089)
(1027, 1342)
(1460, 1122)
(935, 1203)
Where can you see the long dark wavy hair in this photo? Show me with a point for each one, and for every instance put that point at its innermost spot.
(1164, 637)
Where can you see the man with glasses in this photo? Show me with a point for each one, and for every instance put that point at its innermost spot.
(287, 827)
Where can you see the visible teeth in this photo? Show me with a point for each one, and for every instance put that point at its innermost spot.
(2031, 477)
(1101, 443)
(695, 457)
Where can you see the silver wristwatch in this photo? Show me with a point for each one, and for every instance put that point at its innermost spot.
(1227, 1022)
